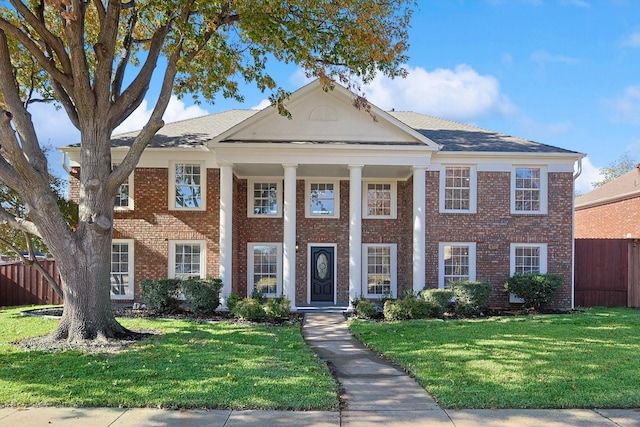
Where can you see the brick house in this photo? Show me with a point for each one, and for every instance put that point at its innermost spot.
(339, 203)
(611, 211)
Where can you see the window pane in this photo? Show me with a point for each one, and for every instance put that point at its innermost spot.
(187, 260)
(527, 190)
(379, 199)
(527, 260)
(119, 269)
(457, 188)
(322, 198)
(456, 263)
(265, 198)
(379, 270)
(265, 268)
(122, 196)
(188, 187)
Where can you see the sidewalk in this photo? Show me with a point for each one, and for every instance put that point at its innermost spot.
(374, 393)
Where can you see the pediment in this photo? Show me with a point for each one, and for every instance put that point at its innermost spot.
(319, 116)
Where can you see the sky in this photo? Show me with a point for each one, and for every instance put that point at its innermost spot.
(560, 72)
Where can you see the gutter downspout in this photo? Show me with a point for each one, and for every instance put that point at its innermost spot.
(64, 163)
(573, 236)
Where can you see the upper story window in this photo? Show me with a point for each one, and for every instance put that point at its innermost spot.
(457, 262)
(379, 200)
(322, 199)
(458, 189)
(379, 270)
(186, 189)
(264, 198)
(124, 199)
(122, 269)
(529, 190)
(186, 259)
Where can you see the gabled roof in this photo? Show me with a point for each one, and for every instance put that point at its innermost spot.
(624, 187)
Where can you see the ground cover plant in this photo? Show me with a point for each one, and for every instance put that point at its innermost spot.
(580, 360)
(187, 365)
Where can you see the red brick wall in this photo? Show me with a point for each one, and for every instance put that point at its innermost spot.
(494, 228)
(610, 221)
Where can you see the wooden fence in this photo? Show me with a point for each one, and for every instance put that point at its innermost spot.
(607, 272)
(24, 285)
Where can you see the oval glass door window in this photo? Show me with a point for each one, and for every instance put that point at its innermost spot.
(322, 266)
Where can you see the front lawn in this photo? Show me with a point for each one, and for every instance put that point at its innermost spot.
(581, 360)
(191, 365)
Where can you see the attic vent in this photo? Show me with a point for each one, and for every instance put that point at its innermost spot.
(323, 113)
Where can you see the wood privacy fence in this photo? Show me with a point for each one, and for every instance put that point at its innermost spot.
(607, 272)
(23, 285)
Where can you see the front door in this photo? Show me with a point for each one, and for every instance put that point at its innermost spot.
(321, 270)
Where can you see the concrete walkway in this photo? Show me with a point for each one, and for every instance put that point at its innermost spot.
(374, 393)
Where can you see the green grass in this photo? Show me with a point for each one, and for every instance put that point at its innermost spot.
(584, 360)
(191, 365)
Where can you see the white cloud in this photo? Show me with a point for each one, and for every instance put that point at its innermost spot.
(176, 110)
(458, 94)
(589, 174)
(626, 108)
(633, 40)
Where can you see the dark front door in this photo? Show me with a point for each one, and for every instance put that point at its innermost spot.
(321, 270)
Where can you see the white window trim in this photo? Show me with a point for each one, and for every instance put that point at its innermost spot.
(394, 269)
(472, 260)
(172, 185)
(336, 199)
(250, 200)
(172, 256)
(394, 199)
(130, 273)
(250, 248)
(544, 190)
(130, 204)
(473, 189)
(512, 263)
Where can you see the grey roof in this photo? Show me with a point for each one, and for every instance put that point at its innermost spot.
(624, 187)
(450, 135)
(455, 136)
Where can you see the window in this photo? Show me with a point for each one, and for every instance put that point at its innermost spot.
(379, 200)
(527, 258)
(265, 268)
(457, 262)
(123, 196)
(187, 189)
(122, 269)
(186, 259)
(265, 198)
(322, 199)
(529, 194)
(379, 270)
(458, 189)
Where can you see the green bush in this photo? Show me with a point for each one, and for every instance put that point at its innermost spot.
(439, 298)
(277, 308)
(536, 289)
(366, 309)
(202, 295)
(233, 299)
(409, 307)
(470, 297)
(161, 294)
(249, 309)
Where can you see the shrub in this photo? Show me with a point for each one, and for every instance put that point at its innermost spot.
(202, 295)
(277, 308)
(439, 298)
(470, 297)
(249, 309)
(161, 295)
(536, 289)
(258, 295)
(393, 311)
(366, 309)
(233, 299)
(409, 307)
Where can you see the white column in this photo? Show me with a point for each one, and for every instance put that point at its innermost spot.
(419, 227)
(289, 238)
(355, 233)
(226, 231)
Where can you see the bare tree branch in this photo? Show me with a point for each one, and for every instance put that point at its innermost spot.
(127, 44)
(18, 223)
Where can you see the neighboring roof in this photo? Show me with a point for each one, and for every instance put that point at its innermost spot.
(624, 187)
(454, 136)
